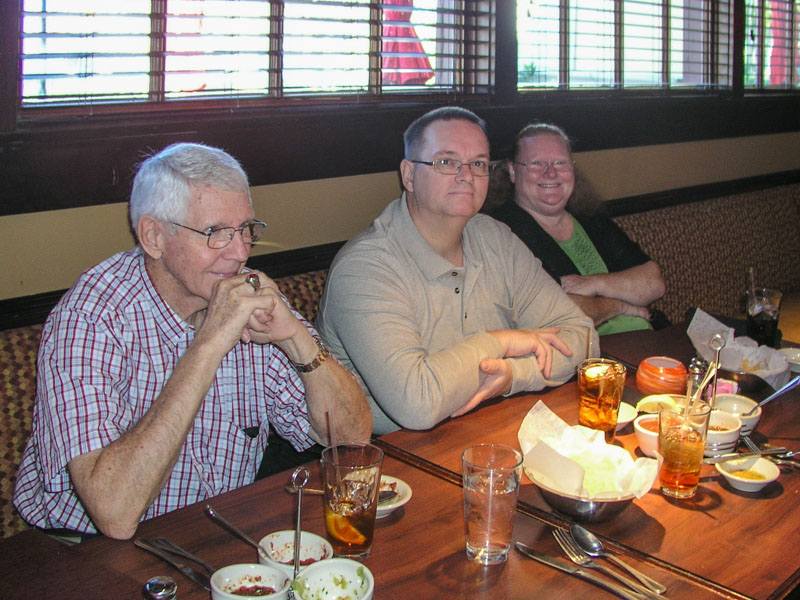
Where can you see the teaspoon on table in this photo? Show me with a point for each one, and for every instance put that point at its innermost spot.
(594, 547)
(793, 383)
(215, 516)
(383, 495)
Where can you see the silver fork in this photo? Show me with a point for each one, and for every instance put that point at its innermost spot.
(579, 557)
(750, 443)
(778, 460)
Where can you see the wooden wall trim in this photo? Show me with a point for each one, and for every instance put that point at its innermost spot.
(29, 310)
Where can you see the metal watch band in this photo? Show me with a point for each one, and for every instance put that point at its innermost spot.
(322, 354)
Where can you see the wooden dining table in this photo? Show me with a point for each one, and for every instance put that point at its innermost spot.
(720, 544)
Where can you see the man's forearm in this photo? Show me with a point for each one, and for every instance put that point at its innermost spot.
(332, 389)
(118, 483)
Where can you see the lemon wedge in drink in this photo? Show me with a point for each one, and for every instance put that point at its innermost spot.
(342, 530)
(654, 403)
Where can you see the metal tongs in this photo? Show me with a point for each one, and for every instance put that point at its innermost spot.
(299, 481)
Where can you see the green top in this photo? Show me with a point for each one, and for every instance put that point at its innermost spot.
(581, 251)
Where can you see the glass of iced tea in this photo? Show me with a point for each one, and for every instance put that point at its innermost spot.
(600, 385)
(491, 484)
(351, 475)
(681, 440)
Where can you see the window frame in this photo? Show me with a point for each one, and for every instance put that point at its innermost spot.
(42, 172)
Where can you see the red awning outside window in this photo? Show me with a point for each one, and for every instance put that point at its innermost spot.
(405, 61)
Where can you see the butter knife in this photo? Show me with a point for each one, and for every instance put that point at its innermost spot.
(199, 578)
(577, 572)
(735, 455)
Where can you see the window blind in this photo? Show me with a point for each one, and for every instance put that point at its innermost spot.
(598, 44)
(77, 52)
(772, 44)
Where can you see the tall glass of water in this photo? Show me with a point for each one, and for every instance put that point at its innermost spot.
(491, 485)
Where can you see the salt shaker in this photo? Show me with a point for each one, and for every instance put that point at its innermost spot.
(160, 588)
(697, 370)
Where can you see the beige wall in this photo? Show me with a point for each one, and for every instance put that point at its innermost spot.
(46, 251)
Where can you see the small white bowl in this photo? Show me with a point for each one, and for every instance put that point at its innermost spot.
(226, 580)
(403, 495)
(732, 470)
(625, 415)
(737, 404)
(333, 579)
(280, 548)
(648, 440)
(723, 433)
(793, 358)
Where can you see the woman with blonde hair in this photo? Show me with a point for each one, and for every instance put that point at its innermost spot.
(555, 213)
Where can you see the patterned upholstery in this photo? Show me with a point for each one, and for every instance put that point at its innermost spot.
(705, 248)
(18, 348)
(303, 291)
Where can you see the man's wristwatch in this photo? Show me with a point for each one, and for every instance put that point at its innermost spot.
(322, 354)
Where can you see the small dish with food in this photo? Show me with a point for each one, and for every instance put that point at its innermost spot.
(749, 474)
(400, 487)
(737, 405)
(235, 582)
(723, 433)
(334, 579)
(280, 549)
(646, 428)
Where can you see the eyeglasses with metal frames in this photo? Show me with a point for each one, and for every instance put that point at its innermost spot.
(540, 166)
(220, 237)
(451, 166)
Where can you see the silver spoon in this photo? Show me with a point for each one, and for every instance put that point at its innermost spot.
(771, 397)
(215, 516)
(594, 547)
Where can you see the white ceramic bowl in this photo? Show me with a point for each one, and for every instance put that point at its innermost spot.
(626, 414)
(733, 469)
(647, 439)
(737, 404)
(403, 495)
(723, 433)
(793, 358)
(280, 548)
(226, 580)
(334, 579)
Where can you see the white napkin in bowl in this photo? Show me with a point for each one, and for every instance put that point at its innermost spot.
(577, 461)
(740, 353)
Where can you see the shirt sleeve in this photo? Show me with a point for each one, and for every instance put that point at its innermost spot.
(539, 302)
(617, 250)
(79, 388)
(372, 310)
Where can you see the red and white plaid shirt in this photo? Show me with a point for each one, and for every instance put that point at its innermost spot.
(107, 350)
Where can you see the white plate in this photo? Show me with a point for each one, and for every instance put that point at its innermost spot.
(403, 495)
(626, 414)
(793, 358)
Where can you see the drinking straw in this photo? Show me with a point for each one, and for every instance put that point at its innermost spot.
(334, 443)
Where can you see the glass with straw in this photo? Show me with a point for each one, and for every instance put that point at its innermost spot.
(351, 475)
(682, 431)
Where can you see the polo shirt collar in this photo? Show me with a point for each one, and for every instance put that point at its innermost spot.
(430, 262)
